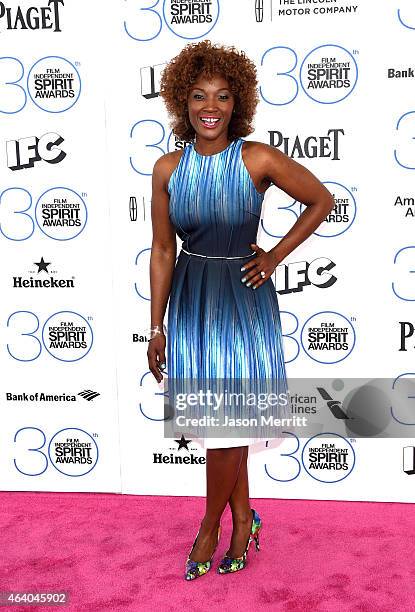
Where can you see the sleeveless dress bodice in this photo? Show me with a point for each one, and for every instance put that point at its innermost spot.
(214, 204)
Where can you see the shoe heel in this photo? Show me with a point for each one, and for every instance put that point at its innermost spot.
(256, 528)
(229, 564)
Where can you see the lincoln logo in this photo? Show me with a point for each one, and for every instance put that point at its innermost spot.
(259, 10)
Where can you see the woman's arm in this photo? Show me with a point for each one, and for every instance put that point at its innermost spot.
(162, 260)
(272, 165)
(303, 186)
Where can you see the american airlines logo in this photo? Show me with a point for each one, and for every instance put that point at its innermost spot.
(88, 394)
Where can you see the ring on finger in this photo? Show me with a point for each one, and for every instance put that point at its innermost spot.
(262, 274)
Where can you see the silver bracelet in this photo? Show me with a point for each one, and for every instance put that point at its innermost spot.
(154, 331)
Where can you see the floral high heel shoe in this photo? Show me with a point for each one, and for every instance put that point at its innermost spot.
(230, 564)
(194, 569)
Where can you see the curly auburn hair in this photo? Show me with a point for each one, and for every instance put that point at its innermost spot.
(207, 59)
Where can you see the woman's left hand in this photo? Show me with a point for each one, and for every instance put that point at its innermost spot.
(264, 262)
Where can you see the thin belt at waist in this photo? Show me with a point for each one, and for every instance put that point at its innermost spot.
(218, 256)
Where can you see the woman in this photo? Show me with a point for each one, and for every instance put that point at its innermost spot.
(223, 312)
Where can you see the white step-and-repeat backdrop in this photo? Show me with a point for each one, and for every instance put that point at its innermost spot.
(82, 124)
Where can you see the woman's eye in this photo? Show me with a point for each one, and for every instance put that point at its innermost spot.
(221, 97)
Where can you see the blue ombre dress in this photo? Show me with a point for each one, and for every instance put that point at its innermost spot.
(217, 327)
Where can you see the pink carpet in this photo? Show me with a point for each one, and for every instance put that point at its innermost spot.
(123, 552)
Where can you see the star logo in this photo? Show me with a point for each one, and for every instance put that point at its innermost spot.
(42, 265)
(183, 443)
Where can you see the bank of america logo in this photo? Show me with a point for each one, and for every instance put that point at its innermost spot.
(88, 394)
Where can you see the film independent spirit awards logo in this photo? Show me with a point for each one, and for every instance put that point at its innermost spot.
(54, 84)
(328, 458)
(60, 212)
(73, 452)
(190, 19)
(67, 336)
(328, 337)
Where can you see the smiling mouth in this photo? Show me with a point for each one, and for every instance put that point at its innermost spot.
(209, 122)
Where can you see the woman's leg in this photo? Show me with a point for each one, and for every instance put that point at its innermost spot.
(222, 468)
(241, 510)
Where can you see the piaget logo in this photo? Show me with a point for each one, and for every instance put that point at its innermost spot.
(47, 17)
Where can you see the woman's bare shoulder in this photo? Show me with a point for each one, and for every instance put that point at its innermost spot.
(167, 162)
(264, 151)
(264, 157)
(165, 165)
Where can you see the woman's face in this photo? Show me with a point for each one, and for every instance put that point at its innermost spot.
(210, 105)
